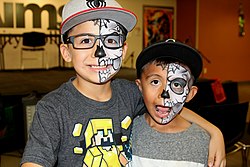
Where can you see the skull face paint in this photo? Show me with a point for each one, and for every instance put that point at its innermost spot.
(111, 59)
(176, 89)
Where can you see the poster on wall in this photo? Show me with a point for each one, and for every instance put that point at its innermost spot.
(157, 24)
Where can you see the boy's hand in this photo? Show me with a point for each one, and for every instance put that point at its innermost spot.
(217, 155)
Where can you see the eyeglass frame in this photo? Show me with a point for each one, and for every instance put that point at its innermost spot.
(70, 40)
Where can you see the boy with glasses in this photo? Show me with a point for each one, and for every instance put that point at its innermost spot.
(87, 120)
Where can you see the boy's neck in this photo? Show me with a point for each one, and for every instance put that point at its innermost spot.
(178, 124)
(99, 92)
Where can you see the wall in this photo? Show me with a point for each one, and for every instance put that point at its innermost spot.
(218, 39)
(186, 22)
(216, 36)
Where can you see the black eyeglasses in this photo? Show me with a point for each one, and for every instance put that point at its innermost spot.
(87, 41)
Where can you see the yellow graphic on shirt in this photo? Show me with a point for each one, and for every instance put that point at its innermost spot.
(102, 150)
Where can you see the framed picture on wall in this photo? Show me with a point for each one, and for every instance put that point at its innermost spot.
(157, 24)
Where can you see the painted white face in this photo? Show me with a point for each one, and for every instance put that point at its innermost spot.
(176, 90)
(113, 57)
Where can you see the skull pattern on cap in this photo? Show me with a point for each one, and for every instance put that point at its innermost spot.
(96, 3)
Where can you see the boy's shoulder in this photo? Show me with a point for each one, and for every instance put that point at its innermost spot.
(139, 124)
(61, 92)
(127, 87)
(122, 80)
(123, 83)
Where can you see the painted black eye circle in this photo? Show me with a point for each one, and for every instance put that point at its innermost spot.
(177, 85)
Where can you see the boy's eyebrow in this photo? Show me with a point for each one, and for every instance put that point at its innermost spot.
(152, 75)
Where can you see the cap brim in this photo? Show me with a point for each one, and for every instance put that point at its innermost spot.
(124, 17)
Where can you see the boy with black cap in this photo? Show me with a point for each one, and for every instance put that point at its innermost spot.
(166, 72)
(87, 120)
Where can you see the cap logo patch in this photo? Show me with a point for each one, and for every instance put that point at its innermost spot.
(96, 3)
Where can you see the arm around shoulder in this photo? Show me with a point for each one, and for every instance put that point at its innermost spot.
(30, 164)
(191, 116)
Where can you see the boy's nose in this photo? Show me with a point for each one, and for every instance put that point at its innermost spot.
(165, 94)
(100, 52)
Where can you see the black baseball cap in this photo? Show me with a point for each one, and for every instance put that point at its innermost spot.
(172, 50)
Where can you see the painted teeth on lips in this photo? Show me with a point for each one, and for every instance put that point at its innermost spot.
(100, 68)
(106, 62)
(94, 66)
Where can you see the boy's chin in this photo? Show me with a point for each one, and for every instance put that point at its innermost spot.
(105, 80)
(107, 75)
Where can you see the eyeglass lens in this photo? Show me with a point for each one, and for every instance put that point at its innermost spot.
(85, 41)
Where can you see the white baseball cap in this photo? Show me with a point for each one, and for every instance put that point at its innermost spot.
(79, 11)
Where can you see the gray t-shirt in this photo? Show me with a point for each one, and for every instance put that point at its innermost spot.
(151, 148)
(70, 129)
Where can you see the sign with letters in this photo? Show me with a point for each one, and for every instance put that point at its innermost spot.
(18, 16)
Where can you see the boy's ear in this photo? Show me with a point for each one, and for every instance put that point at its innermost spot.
(124, 52)
(192, 93)
(65, 52)
(138, 83)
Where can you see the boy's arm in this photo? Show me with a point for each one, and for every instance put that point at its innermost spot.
(217, 155)
(29, 164)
